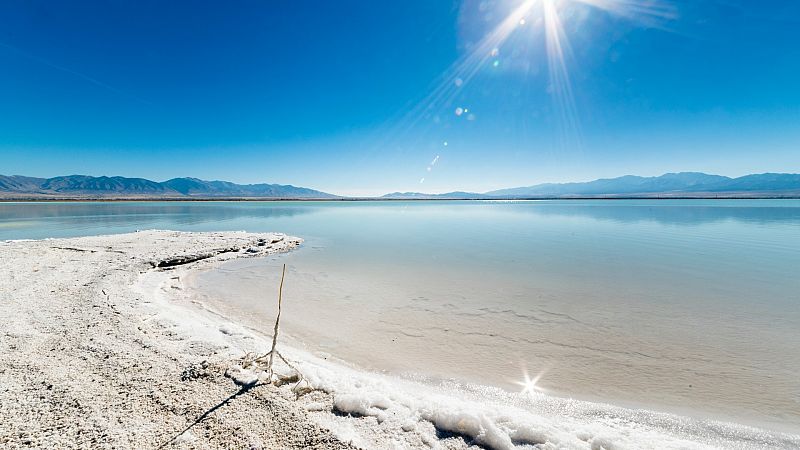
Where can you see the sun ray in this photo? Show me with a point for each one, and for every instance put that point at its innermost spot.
(447, 100)
(461, 72)
(655, 13)
(558, 54)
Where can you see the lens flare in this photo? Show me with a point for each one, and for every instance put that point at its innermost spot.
(529, 385)
(464, 69)
(529, 20)
(487, 50)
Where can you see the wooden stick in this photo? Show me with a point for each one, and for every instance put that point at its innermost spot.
(277, 325)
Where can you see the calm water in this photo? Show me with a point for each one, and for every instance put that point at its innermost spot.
(678, 305)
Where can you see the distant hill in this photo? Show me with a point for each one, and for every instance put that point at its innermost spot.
(82, 186)
(421, 196)
(201, 188)
(765, 182)
(670, 184)
(19, 183)
(85, 185)
(684, 184)
(625, 185)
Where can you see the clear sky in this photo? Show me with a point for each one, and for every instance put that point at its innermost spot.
(368, 97)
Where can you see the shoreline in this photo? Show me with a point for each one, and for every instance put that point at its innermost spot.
(380, 199)
(309, 332)
(102, 349)
(246, 305)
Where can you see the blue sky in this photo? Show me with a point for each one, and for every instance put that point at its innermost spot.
(360, 97)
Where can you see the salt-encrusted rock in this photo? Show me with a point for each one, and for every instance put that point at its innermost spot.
(242, 377)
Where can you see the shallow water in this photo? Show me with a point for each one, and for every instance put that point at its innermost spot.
(688, 306)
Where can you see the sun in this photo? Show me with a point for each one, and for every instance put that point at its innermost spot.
(547, 16)
(540, 25)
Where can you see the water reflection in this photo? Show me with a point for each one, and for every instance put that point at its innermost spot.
(676, 212)
(36, 220)
(39, 220)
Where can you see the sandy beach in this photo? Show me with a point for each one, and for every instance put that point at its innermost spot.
(102, 348)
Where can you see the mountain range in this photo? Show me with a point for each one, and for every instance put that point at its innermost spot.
(684, 184)
(82, 186)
